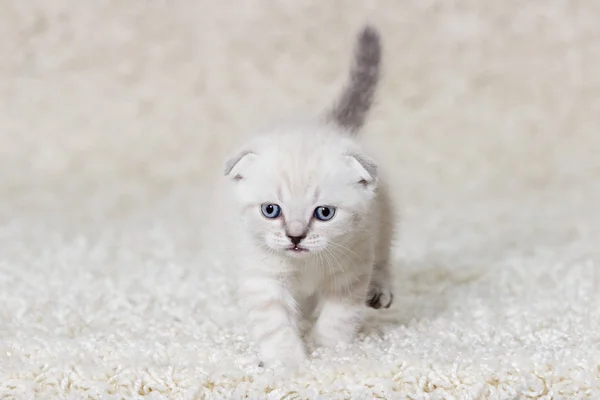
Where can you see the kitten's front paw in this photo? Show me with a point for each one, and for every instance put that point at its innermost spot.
(380, 296)
(337, 324)
(330, 338)
(287, 355)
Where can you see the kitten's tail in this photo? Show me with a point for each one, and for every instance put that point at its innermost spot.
(355, 102)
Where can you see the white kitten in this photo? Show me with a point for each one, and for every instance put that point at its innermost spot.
(313, 224)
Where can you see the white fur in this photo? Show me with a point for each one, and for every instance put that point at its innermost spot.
(300, 167)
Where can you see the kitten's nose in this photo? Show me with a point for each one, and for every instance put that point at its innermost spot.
(296, 239)
(296, 231)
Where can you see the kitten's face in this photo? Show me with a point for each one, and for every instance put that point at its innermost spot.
(301, 194)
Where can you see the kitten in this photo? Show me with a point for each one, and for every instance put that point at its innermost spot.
(313, 223)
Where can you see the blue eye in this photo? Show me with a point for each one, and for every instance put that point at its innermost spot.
(324, 213)
(271, 211)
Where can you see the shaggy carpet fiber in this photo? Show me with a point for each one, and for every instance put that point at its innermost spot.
(114, 120)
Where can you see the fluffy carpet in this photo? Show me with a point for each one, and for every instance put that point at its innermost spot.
(115, 116)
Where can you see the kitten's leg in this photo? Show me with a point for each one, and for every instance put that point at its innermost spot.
(381, 290)
(342, 311)
(308, 306)
(273, 314)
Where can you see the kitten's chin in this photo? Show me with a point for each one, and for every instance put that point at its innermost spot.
(297, 252)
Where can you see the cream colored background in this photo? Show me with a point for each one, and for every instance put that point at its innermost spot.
(141, 90)
(115, 114)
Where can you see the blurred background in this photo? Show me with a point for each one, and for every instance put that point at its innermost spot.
(109, 106)
(153, 92)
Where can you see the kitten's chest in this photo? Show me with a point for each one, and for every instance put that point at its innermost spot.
(309, 279)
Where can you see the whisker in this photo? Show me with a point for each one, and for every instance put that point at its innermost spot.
(347, 249)
(342, 253)
(321, 264)
(331, 269)
(341, 267)
(344, 273)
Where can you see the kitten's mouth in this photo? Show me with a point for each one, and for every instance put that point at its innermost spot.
(297, 249)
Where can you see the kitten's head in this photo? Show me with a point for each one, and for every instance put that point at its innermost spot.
(309, 188)
(303, 190)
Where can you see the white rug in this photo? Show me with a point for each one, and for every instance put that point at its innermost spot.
(114, 115)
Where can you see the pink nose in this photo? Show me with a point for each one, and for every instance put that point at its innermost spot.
(296, 231)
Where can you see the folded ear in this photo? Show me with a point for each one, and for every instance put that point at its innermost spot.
(366, 168)
(235, 164)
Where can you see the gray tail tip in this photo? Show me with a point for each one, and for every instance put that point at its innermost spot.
(369, 37)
